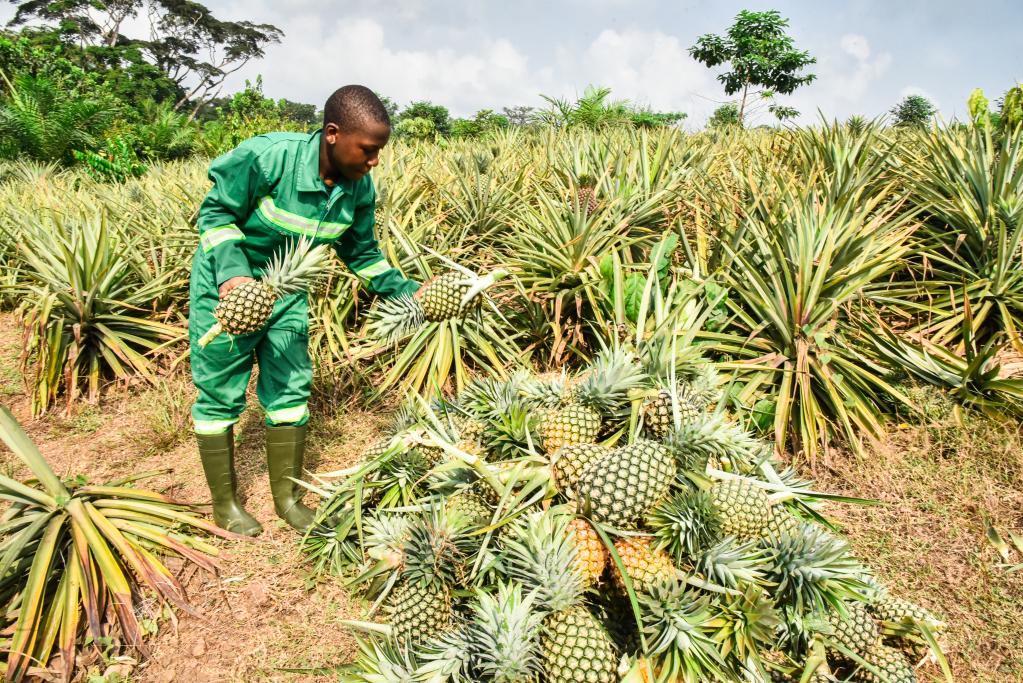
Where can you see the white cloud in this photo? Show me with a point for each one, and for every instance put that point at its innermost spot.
(856, 45)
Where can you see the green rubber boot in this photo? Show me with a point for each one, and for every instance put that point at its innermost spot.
(285, 450)
(217, 454)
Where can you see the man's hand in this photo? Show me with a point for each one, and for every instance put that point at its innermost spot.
(232, 283)
(418, 294)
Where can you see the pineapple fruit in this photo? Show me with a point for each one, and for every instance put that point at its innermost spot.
(624, 485)
(743, 509)
(892, 665)
(449, 296)
(569, 462)
(418, 610)
(586, 193)
(644, 565)
(660, 409)
(857, 631)
(247, 307)
(591, 556)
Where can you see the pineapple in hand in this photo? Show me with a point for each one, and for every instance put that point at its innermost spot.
(447, 296)
(247, 307)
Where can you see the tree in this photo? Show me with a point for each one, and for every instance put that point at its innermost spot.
(725, 115)
(914, 111)
(193, 49)
(518, 116)
(759, 55)
(434, 113)
(484, 121)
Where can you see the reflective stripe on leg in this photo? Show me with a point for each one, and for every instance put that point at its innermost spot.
(288, 415)
(213, 426)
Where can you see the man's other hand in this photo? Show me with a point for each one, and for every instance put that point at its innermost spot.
(232, 283)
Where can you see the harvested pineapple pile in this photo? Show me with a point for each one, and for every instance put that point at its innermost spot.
(612, 525)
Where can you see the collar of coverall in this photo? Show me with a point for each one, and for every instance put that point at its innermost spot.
(308, 168)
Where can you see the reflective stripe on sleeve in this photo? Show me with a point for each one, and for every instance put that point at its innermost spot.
(215, 236)
(371, 271)
(287, 415)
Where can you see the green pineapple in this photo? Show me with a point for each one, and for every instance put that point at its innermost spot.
(247, 307)
(471, 506)
(659, 411)
(541, 554)
(436, 548)
(623, 486)
(576, 414)
(890, 663)
(571, 461)
(857, 631)
(811, 570)
(742, 507)
(448, 296)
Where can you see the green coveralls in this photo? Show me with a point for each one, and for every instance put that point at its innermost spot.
(266, 192)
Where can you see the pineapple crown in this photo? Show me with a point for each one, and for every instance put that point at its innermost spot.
(749, 621)
(438, 548)
(812, 569)
(394, 318)
(682, 627)
(685, 524)
(382, 660)
(298, 266)
(503, 635)
(541, 555)
(731, 564)
(386, 533)
(710, 437)
(610, 378)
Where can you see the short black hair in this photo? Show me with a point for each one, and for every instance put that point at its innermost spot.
(353, 106)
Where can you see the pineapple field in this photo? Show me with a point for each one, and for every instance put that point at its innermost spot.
(738, 405)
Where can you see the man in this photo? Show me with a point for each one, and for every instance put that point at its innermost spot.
(270, 190)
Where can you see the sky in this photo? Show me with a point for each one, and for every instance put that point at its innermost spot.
(500, 53)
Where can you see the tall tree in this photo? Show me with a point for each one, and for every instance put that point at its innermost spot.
(914, 111)
(759, 54)
(194, 50)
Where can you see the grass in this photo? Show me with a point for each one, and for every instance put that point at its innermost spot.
(940, 486)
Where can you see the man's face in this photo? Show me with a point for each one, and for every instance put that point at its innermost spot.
(353, 153)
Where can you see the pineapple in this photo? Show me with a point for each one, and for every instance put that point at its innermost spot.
(857, 632)
(247, 307)
(891, 663)
(418, 611)
(571, 461)
(471, 506)
(896, 611)
(436, 548)
(685, 524)
(542, 555)
(448, 296)
(659, 411)
(591, 555)
(743, 508)
(585, 193)
(576, 415)
(644, 565)
(782, 522)
(624, 485)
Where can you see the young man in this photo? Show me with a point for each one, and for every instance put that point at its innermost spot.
(268, 191)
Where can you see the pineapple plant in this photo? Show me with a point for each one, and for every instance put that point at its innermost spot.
(448, 296)
(542, 555)
(503, 637)
(645, 565)
(622, 487)
(247, 307)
